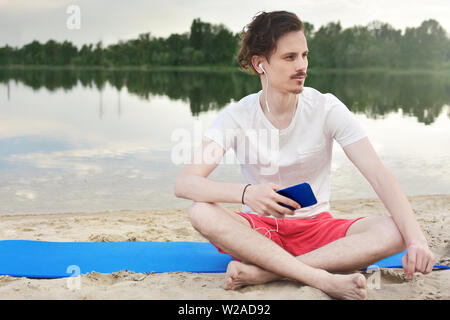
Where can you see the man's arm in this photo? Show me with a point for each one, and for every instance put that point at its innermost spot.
(193, 182)
(418, 256)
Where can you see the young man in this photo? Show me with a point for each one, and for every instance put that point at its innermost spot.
(269, 241)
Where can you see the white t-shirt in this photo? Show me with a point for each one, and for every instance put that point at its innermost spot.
(301, 152)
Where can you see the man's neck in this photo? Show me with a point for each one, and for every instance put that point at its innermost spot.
(280, 104)
(282, 113)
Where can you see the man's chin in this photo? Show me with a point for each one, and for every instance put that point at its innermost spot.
(298, 90)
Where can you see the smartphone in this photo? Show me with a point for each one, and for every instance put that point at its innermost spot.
(300, 193)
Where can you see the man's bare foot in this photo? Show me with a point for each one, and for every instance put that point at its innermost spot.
(346, 287)
(349, 287)
(240, 274)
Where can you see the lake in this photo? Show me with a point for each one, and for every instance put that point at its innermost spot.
(92, 140)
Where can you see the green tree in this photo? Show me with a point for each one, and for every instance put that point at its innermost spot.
(7, 54)
(387, 40)
(376, 45)
(33, 53)
(324, 45)
(197, 34)
(52, 53)
(85, 56)
(98, 58)
(68, 52)
(223, 45)
(175, 45)
(308, 29)
(425, 46)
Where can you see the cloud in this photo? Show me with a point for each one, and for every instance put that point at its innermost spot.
(23, 6)
(26, 194)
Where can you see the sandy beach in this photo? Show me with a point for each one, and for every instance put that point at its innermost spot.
(432, 211)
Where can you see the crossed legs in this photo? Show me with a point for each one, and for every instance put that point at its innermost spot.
(367, 240)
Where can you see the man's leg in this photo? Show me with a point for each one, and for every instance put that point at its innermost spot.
(367, 241)
(219, 225)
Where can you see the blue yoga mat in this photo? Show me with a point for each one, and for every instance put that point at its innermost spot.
(41, 259)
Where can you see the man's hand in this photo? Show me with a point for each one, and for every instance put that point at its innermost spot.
(418, 257)
(263, 199)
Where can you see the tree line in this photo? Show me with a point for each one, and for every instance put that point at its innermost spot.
(374, 94)
(377, 45)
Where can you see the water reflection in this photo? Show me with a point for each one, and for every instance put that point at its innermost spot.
(375, 94)
(90, 140)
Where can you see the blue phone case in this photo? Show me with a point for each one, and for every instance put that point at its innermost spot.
(300, 193)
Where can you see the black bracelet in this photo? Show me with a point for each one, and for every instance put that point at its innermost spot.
(243, 192)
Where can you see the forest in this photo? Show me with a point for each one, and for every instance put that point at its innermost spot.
(376, 45)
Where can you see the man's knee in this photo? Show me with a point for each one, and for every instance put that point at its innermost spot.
(387, 230)
(201, 215)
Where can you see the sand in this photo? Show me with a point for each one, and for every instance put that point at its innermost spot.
(432, 211)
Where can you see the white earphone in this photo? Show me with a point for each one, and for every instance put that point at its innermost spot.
(267, 86)
(261, 67)
(279, 177)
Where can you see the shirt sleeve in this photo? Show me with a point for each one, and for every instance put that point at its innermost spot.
(341, 123)
(223, 130)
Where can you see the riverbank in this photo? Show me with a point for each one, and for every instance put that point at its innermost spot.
(443, 71)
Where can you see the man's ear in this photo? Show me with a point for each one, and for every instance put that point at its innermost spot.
(257, 64)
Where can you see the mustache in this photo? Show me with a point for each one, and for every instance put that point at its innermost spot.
(300, 74)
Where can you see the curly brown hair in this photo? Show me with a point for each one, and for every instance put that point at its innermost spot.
(260, 36)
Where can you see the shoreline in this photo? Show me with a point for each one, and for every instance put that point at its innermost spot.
(335, 204)
(211, 68)
(432, 212)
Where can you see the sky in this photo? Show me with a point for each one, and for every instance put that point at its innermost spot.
(109, 21)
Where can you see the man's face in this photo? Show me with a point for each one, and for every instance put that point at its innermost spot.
(288, 63)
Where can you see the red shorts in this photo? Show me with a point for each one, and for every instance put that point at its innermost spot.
(299, 236)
